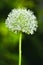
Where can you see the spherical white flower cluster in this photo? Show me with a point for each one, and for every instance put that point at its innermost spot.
(21, 20)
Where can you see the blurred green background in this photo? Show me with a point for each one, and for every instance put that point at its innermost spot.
(32, 45)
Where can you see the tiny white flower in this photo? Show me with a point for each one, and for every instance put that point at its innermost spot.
(21, 20)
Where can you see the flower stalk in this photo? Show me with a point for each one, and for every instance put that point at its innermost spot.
(20, 39)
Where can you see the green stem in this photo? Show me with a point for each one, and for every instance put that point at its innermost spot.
(20, 39)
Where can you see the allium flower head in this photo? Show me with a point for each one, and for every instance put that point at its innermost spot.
(21, 20)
